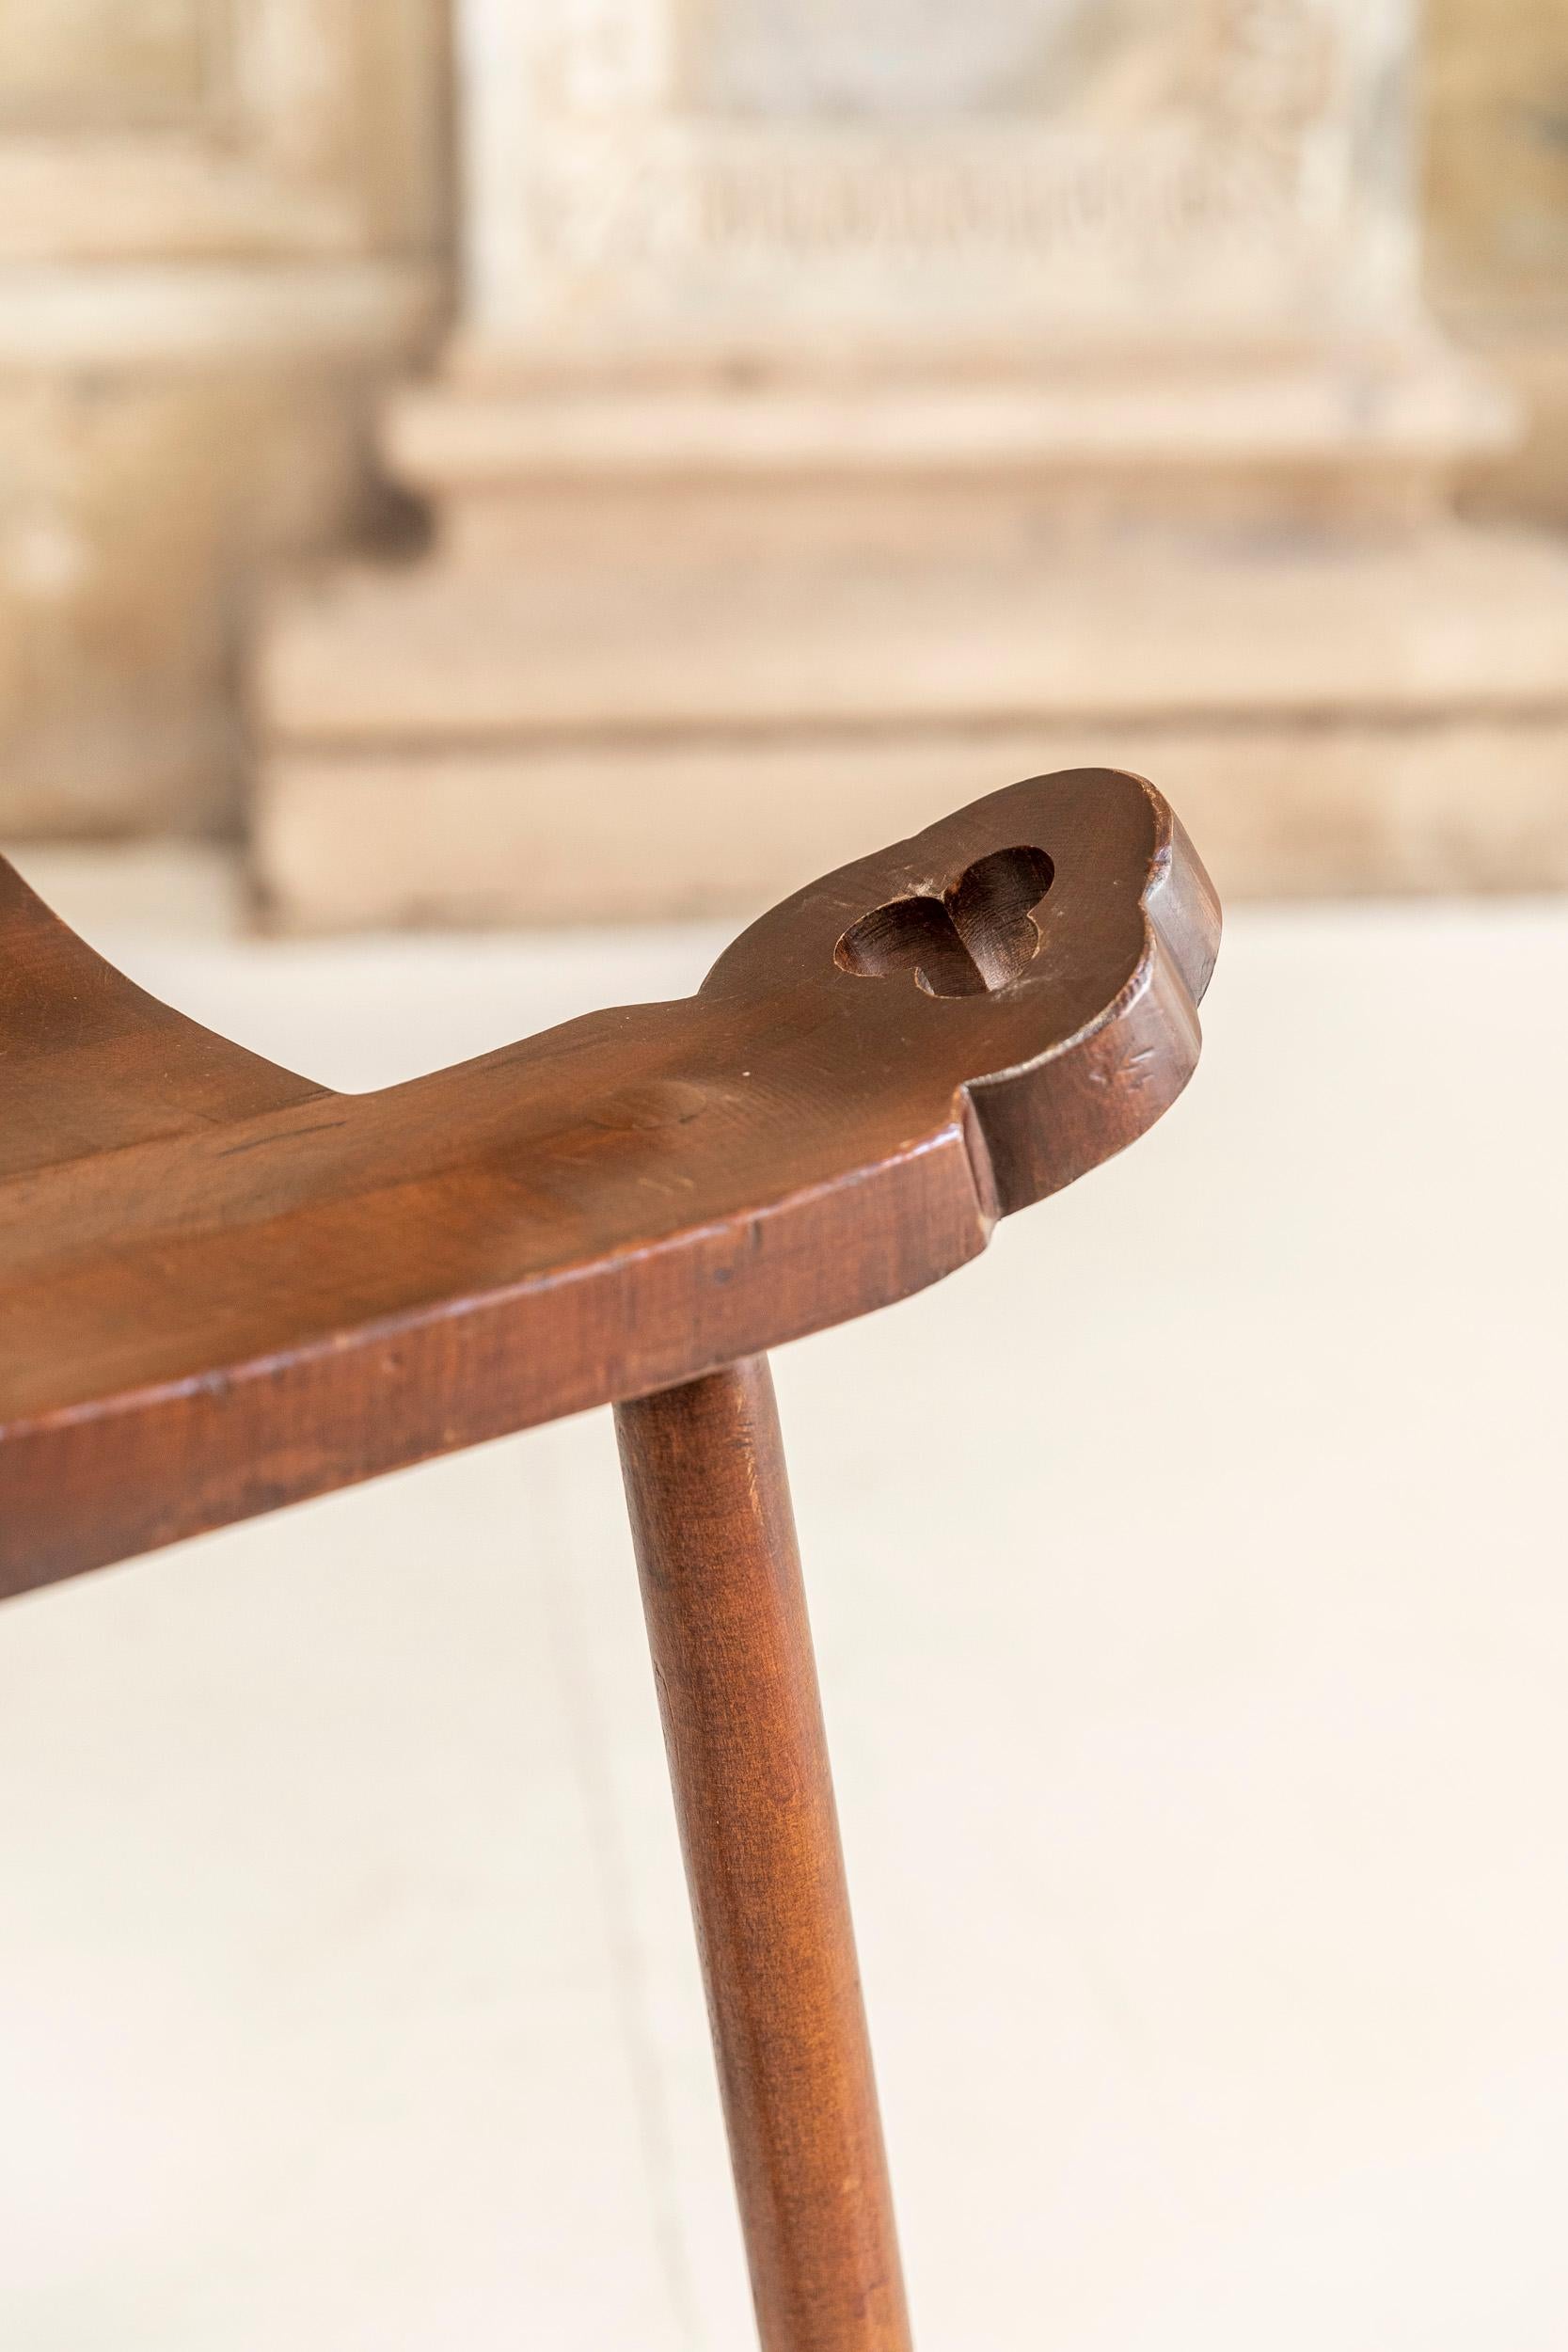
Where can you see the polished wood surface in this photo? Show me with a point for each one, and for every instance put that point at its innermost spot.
(731, 1653)
(223, 1288)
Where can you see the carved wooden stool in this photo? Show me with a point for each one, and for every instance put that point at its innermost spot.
(226, 1287)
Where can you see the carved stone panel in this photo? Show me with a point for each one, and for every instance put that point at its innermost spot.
(764, 175)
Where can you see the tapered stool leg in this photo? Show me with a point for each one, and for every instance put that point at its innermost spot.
(715, 1537)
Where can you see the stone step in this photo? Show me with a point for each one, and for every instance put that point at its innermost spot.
(1416, 403)
(668, 636)
(600, 831)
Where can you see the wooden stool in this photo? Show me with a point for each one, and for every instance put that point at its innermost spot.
(226, 1287)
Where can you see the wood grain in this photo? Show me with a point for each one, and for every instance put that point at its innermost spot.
(732, 1654)
(223, 1288)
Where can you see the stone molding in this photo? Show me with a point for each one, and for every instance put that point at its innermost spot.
(132, 317)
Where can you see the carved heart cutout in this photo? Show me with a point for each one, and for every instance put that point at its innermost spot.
(979, 936)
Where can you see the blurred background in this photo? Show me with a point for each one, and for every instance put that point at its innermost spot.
(490, 497)
(615, 456)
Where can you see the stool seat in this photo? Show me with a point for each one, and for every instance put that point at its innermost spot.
(223, 1287)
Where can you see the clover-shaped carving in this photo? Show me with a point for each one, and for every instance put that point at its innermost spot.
(976, 937)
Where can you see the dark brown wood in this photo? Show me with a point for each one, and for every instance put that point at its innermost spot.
(732, 1654)
(223, 1288)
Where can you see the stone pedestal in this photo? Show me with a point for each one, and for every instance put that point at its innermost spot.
(219, 235)
(854, 408)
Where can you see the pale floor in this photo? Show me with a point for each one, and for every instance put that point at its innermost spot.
(1189, 1584)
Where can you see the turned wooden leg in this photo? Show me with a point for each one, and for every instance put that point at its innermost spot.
(726, 1611)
